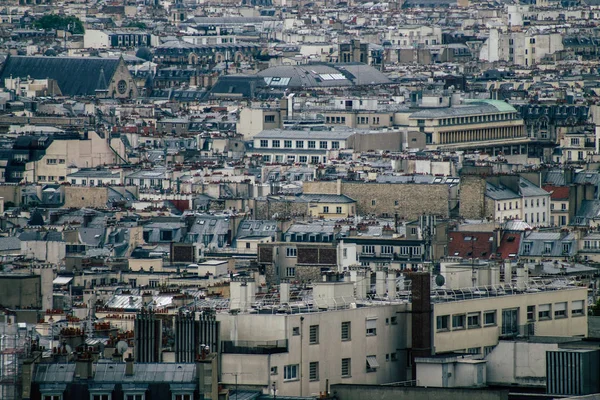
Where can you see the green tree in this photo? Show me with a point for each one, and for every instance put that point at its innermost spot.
(53, 21)
(596, 309)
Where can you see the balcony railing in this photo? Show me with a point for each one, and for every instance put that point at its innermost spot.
(254, 346)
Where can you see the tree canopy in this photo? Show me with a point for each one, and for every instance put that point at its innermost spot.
(53, 21)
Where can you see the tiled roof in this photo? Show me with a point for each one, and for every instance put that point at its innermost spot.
(557, 192)
(471, 244)
(509, 246)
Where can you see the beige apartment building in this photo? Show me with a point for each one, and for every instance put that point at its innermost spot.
(64, 155)
(303, 352)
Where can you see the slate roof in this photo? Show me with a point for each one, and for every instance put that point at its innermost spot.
(240, 86)
(537, 244)
(473, 107)
(76, 76)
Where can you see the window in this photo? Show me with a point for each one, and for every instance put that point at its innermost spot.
(269, 118)
(290, 372)
(346, 332)
(373, 202)
(61, 160)
(371, 327)
(153, 283)
(577, 308)
(346, 367)
(544, 312)
(487, 350)
(323, 144)
(287, 144)
(474, 350)
(314, 159)
(313, 334)
(530, 313)
(372, 363)
(290, 272)
(442, 322)
(458, 321)
(335, 145)
(303, 159)
(313, 371)
(264, 143)
(166, 235)
(326, 209)
(183, 397)
(52, 397)
(103, 396)
(510, 321)
(368, 249)
(473, 320)
(273, 370)
(526, 247)
(275, 143)
(299, 144)
(338, 210)
(41, 178)
(560, 310)
(296, 331)
(51, 161)
(394, 320)
(134, 396)
(394, 356)
(387, 249)
(291, 252)
(312, 144)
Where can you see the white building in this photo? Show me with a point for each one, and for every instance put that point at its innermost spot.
(513, 197)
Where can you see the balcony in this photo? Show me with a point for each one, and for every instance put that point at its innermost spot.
(254, 346)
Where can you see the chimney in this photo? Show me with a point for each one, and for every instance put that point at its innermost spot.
(380, 282)
(284, 292)
(391, 284)
(146, 298)
(83, 366)
(421, 317)
(129, 366)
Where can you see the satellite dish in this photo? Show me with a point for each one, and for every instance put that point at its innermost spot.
(440, 280)
(122, 347)
(68, 349)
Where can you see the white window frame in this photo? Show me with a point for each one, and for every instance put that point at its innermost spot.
(290, 372)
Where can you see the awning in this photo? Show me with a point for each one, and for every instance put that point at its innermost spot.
(372, 362)
(62, 280)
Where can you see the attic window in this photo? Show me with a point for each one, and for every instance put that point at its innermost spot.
(510, 239)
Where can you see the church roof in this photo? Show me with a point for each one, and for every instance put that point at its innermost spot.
(76, 76)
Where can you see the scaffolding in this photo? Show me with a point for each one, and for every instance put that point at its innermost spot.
(13, 344)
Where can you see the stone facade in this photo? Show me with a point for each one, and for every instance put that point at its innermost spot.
(472, 197)
(408, 200)
(90, 197)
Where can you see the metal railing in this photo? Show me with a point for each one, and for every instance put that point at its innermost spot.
(254, 346)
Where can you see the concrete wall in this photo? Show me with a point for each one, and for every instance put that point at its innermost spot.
(594, 327)
(518, 363)
(408, 200)
(361, 392)
(21, 291)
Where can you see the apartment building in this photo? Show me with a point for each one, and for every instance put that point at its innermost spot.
(513, 197)
(304, 147)
(490, 125)
(474, 325)
(302, 351)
